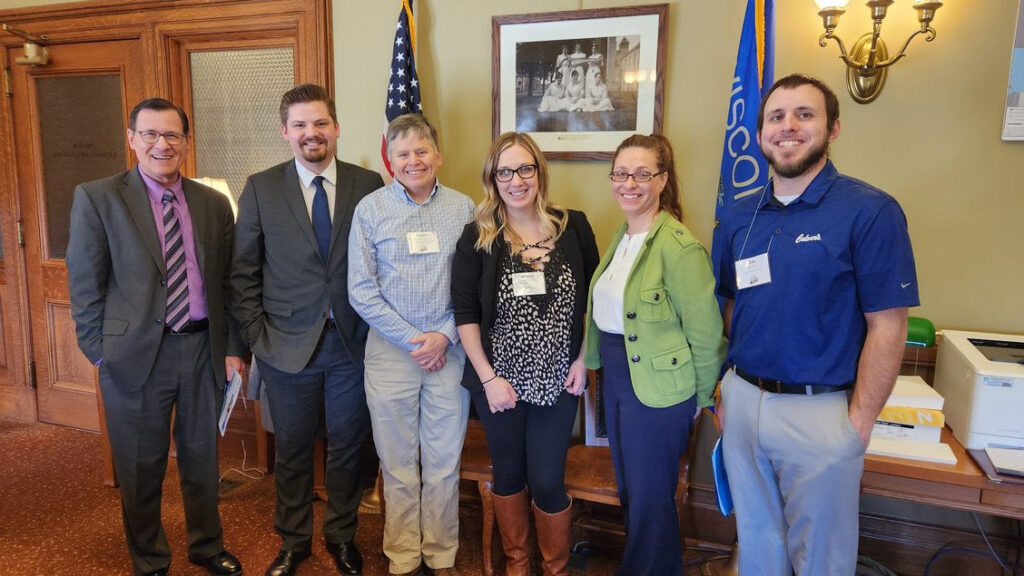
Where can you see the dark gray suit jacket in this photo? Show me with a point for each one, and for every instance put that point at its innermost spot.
(116, 275)
(282, 290)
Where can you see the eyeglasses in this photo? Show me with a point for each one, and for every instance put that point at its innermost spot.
(638, 177)
(152, 137)
(526, 171)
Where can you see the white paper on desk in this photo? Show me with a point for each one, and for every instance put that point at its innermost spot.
(1006, 460)
(230, 397)
(912, 449)
(914, 392)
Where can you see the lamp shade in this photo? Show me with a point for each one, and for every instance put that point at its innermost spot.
(823, 4)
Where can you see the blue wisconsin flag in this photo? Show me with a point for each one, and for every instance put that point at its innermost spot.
(744, 170)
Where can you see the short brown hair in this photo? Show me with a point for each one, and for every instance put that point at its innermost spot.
(306, 93)
(796, 80)
(414, 122)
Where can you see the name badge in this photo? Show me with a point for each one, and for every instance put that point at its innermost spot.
(423, 242)
(528, 284)
(752, 272)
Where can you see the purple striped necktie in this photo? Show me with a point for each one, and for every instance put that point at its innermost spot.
(174, 261)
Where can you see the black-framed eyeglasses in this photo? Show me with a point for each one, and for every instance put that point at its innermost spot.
(638, 177)
(526, 171)
(152, 137)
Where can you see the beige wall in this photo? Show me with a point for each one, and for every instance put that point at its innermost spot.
(931, 140)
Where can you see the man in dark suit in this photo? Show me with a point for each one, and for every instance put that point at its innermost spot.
(148, 263)
(289, 284)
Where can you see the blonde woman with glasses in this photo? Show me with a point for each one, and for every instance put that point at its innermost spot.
(519, 284)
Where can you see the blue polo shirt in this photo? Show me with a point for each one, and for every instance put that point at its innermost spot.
(839, 250)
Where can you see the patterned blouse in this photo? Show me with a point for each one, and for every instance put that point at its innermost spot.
(531, 333)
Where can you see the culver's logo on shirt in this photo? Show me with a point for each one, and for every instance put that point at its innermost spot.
(808, 238)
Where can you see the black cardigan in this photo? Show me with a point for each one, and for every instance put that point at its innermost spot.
(475, 283)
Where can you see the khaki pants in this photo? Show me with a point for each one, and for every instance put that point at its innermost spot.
(419, 424)
(794, 464)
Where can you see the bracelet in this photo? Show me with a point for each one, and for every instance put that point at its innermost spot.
(489, 379)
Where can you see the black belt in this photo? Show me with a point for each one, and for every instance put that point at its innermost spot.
(780, 387)
(192, 327)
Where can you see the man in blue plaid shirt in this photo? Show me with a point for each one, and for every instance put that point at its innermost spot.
(400, 256)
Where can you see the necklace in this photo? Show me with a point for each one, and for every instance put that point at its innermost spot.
(520, 247)
(539, 245)
(534, 262)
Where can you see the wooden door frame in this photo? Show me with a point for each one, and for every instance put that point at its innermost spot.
(17, 394)
(164, 29)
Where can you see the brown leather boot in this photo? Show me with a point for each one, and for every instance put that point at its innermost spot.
(513, 517)
(553, 539)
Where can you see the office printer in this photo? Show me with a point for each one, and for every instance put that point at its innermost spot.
(981, 376)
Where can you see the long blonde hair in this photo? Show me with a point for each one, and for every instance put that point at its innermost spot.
(492, 216)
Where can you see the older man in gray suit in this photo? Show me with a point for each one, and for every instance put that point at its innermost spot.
(289, 283)
(148, 262)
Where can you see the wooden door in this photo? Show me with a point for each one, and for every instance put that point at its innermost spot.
(70, 118)
(16, 397)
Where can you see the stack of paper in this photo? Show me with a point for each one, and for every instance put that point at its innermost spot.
(912, 449)
(913, 412)
(1007, 460)
(910, 424)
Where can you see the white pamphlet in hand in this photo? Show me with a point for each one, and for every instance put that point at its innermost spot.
(230, 397)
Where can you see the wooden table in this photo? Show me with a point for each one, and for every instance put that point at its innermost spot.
(961, 487)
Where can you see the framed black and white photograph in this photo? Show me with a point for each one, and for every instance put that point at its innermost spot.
(579, 81)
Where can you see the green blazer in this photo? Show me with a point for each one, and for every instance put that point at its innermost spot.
(673, 327)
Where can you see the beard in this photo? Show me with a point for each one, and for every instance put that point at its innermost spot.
(317, 155)
(797, 166)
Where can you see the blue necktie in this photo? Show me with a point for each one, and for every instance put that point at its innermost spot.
(321, 218)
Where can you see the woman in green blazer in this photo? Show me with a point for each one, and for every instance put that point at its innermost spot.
(653, 324)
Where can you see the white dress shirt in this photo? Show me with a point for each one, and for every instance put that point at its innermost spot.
(611, 286)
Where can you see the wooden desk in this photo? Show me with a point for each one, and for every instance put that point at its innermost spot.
(962, 487)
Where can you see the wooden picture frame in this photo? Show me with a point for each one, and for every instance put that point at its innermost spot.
(579, 105)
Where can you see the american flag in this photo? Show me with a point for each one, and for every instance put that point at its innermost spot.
(403, 84)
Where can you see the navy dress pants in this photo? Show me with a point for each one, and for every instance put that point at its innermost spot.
(332, 385)
(646, 445)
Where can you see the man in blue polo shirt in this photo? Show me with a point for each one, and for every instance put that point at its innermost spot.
(817, 275)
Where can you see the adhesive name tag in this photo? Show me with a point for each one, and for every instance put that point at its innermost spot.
(528, 284)
(423, 243)
(752, 272)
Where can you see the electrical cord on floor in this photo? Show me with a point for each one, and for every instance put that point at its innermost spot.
(243, 471)
(990, 553)
(948, 549)
(989, 544)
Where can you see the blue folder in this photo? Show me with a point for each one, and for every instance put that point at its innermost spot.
(724, 495)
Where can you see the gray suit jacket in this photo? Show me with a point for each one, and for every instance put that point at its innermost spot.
(116, 275)
(282, 290)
